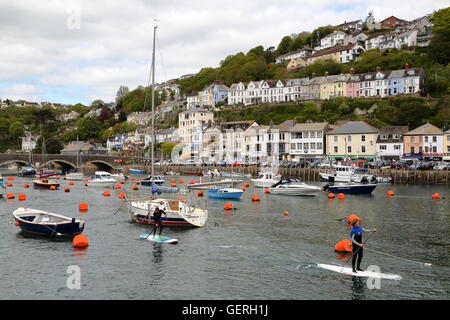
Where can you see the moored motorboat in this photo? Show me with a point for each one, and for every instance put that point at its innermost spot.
(294, 187)
(74, 176)
(213, 184)
(351, 188)
(266, 179)
(225, 193)
(39, 222)
(102, 179)
(158, 180)
(347, 174)
(137, 171)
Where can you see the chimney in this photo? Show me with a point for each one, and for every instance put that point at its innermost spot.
(378, 69)
(352, 71)
(406, 66)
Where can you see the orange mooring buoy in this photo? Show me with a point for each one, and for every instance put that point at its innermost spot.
(53, 188)
(10, 196)
(345, 246)
(390, 193)
(341, 196)
(181, 181)
(436, 196)
(9, 184)
(118, 186)
(122, 182)
(67, 189)
(228, 206)
(106, 193)
(71, 183)
(122, 195)
(286, 213)
(26, 185)
(80, 241)
(266, 191)
(256, 198)
(11, 178)
(22, 197)
(331, 196)
(83, 207)
(200, 193)
(134, 188)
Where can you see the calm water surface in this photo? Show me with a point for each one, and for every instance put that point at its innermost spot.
(254, 252)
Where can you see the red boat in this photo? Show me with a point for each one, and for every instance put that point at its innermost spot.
(46, 181)
(199, 174)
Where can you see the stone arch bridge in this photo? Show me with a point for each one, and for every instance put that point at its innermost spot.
(67, 162)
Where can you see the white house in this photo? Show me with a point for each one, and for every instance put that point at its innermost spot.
(390, 142)
(236, 95)
(300, 53)
(331, 40)
(373, 42)
(307, 140)
(29, 142)
(192, 100)
(352, 25)
(408, 39)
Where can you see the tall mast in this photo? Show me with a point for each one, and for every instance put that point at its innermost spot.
(153, 103)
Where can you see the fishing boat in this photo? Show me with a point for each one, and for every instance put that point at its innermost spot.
(158, 180)
(225, 193)
(351, 188)
(102, 179)
(179, 214)
(46, 181)
(137, 171)
(294, 187)
(39, 222)
(266, 179)
(347, 174)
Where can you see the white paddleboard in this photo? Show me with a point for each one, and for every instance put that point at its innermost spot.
(159, 239)
(367, 274)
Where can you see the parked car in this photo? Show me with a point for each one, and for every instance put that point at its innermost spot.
(442, 166)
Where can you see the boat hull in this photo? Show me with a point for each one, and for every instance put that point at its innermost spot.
(43, 185)
(134, 171)
(353, 189)
(263, 183)
(295, 192)
(229, 195)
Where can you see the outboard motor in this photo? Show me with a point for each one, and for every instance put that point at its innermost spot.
(364, 179)
(326, 187)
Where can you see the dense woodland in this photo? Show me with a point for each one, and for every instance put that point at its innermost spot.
(257, 64)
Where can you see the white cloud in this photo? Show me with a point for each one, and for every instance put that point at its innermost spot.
(113, 45)
(21, 92)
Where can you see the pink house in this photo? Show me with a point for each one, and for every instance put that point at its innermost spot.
(424, 142)
(353, 87)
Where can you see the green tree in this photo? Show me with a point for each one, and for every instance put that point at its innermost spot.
(88, 128)
(284, 46)
(167, 148)
(16, 130)
(439, 48)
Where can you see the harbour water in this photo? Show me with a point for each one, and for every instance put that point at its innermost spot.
(253, 252)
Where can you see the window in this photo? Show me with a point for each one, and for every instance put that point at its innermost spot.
(363, 138)
(426, 139)
(349, 149)
(319, 135)
(313, 146)
(306, 146)
(319, 145)
(306, 134)
(292, 146)
(335, 138)
(349, 138)
(335, 149)
(383, 147)
(434, 139)
(312, 134)
(299, 146)
(363, 149)
(434, 149)
(397, 147)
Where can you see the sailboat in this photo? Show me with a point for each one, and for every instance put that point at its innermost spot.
(76, 176)
(45, 180)
(179, 213)
(28, 170)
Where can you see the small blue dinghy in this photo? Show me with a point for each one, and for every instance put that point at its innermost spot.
(225, 193)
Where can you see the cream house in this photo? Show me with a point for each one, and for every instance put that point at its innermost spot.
(191, 119)
(447, 146)
(354, 139)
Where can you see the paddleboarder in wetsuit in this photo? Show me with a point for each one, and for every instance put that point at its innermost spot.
(157, 216)
(358, 245)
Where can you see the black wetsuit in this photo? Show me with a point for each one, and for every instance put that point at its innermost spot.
(157, 216)
(357, 250)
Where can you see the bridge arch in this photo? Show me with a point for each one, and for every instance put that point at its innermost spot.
(101, 165)
(7, 163)
(65, 165)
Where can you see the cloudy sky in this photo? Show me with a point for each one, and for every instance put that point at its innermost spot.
(79, 50)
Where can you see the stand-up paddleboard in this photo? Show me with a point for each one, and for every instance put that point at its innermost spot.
(366, 274)
(159, 239)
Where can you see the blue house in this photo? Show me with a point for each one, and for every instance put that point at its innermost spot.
(396, 82)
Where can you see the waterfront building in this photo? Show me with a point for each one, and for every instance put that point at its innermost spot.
(424, 143)
(306, 140)
(335, 38)
(446, 146)
(390, 142)
(192, 100)
(29, 142)
(354, 139)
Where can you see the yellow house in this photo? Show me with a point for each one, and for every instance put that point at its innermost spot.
(355, 139)
(447, 146)
(296, 63)
(333, 87)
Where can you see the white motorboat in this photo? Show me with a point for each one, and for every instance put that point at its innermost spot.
(347, 174)
(158, 180)
(102, 179)
(179, 214)
(294, 187)
(74, 176)
(266, 179)
(118, 176)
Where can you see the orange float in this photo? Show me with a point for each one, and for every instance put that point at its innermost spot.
(181, 199)
(11, 178)
(67, 189)
(436, 196)
(9, 184)
(331, 196)
(22, 197)
(122, 182)
(122, 195)
(341, 196)
(52, 188)
(10, 196)
(138, 182)
(267, 191)
(390, 193)
(181, 181)
(83, 207)
(256, 198)
(134, 188)
(246, 185)
(71, 183)
(26, 185)
(200, 193)
(106, 193)
(118, 186)
(228, 206)
(80, 241)
(286, 213)
(345, 246)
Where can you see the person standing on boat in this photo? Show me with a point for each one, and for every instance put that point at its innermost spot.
(358, 245)
(157, 217)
